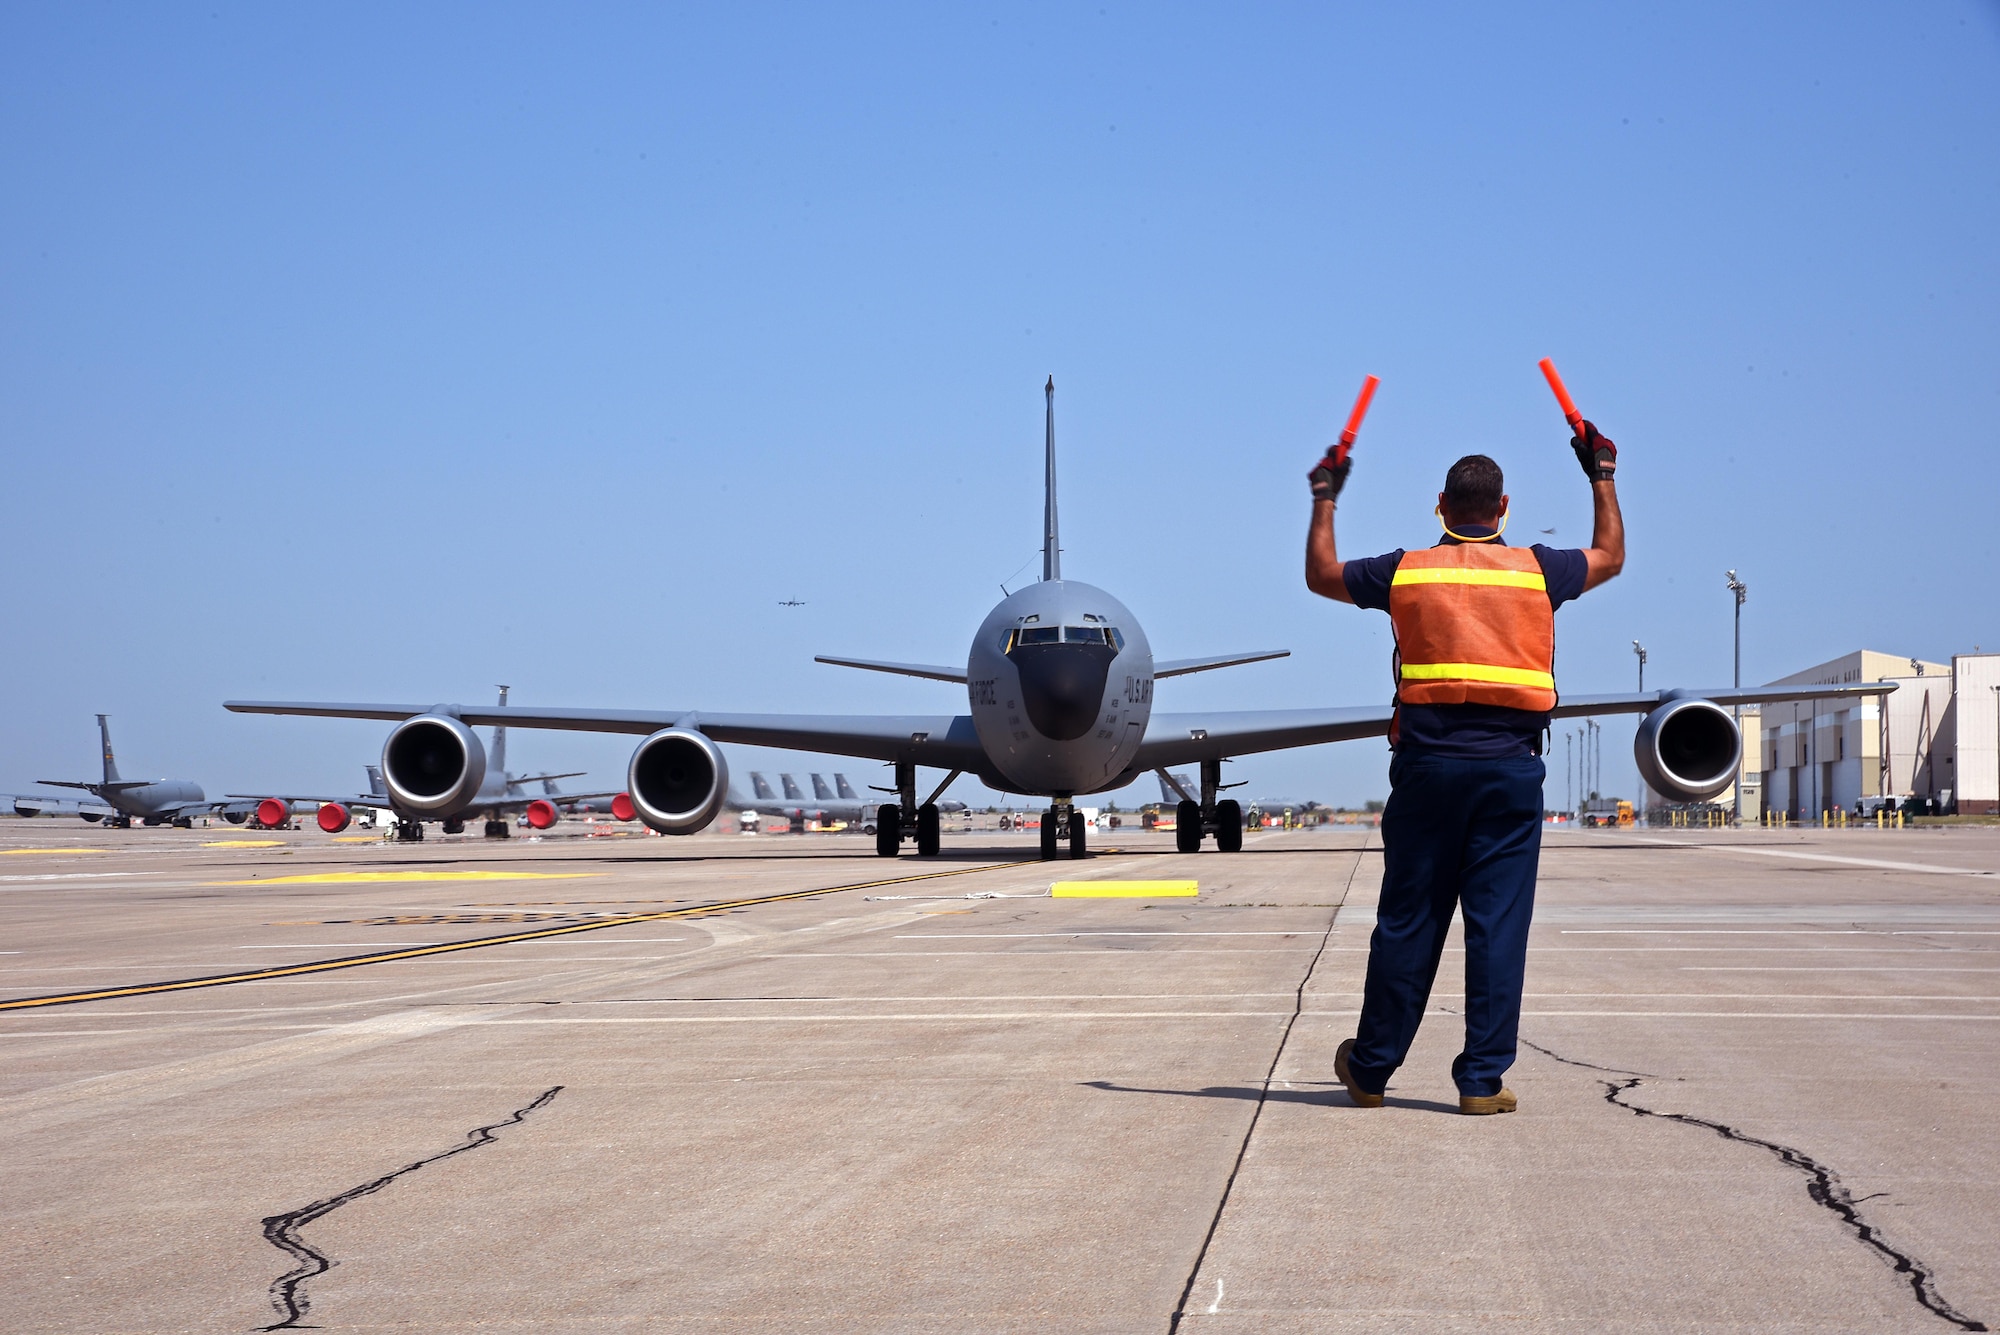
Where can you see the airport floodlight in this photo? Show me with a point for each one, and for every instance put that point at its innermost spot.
(1640, 650)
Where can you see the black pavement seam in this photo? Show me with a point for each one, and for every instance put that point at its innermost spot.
(1588, 1066)
(1823, 1185)
(1263, 1097)
(282, 1230)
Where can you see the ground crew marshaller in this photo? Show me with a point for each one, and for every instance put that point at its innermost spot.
(1474, 621)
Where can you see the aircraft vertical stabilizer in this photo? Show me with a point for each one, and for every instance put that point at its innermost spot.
(1051, 541)
(497, 754)
(110, 761)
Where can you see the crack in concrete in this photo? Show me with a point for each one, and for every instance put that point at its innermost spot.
(1263, 1097)
(1822, 1185)
(288, 1294)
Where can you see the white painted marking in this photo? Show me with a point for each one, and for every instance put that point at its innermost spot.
(946, 1016)
(1719, 931)
(997, 936)
(1216, 1306)
(1928, 868)
(1833, 968)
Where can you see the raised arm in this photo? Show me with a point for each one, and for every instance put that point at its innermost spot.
(1323, 565)
(1605, 556)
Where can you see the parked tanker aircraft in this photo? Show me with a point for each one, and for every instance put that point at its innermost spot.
(118, 802)
(498, 795)
(1059, 683)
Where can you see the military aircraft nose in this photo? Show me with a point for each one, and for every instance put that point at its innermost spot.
(1062, 685)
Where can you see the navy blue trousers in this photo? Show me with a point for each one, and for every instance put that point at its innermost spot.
(1463, 834)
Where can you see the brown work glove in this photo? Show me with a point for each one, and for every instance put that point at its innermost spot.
(1595, 452)
(1329, 475)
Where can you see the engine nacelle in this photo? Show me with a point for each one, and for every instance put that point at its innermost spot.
(273, 812)
(26, 813)
(1688, 749)
(333, 817)
(433, 763)
(678, 781)
(622, 808)
(542, 814)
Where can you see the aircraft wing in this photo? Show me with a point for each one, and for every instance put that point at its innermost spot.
(1643, 702)
(375, 800)
(1176, 739)
(941, 741)
(42, 805)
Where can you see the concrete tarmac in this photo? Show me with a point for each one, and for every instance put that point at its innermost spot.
(1756, 1089)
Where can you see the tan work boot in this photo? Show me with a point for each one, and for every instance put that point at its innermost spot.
(1484, 1105)
(1362, 1098)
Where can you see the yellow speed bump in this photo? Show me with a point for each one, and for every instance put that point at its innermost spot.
(1121, 889)
(365, 877)
(245, 843)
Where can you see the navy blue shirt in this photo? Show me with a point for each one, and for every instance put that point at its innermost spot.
(1471, 732)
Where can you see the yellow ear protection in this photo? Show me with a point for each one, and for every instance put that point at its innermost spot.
(1490, 537)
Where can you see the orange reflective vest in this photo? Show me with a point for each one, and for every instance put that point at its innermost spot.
(1473, 626)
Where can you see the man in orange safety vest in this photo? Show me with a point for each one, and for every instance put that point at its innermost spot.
(1474, 621)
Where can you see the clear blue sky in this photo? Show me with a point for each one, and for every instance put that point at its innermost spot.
(388, 352)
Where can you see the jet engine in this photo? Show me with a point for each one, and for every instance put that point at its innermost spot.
(1688, 749)
(433, 763)
(622, 808)
(542, 814)
(273, 812)
(333, 817)
(678, 781)
(26, 813)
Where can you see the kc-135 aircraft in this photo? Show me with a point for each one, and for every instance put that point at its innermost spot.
(1059, 682)
(118, 802)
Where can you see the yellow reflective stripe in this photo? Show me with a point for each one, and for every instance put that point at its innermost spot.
(1505, 676)
(1511, 579)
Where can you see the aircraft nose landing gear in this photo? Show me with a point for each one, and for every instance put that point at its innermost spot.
(1062, 821)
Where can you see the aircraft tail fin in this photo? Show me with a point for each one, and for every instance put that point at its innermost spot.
(376, 788)
(110, 761)
(791, 786)
(496, 755)
(762, 787)
(1168, 795)
(821, 793)
(1051, 541)
(844, 788)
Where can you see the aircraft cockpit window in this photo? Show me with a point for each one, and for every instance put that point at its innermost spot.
(1092, 635)
(1039, 635)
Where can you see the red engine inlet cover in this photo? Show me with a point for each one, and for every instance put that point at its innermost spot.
(622, 808)
(333, 817)
(271, 813)
(542, 814)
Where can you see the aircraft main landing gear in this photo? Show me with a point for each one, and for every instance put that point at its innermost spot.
(927, 830)
(455, 825)
(1194, 819)
(497, 829)
(409, 831)
(894, 820)
(888, 830)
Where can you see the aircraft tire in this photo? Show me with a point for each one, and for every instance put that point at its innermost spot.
(184, 823)
(927, 830)
(888, 831)
(1187, 827)
(455, 825)
(1049, 835)
(1077, 845)
(1228, 827)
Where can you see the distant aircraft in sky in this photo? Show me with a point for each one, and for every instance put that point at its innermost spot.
(1548, 530)
(791, 602)
(117, 802)
(1059, 682)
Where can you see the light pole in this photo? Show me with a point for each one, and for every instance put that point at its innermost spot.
(1742, 591)
(1640, 650)
(1569, 770)
(1996, 749)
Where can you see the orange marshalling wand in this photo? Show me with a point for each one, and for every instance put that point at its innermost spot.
(1562, 395)
(1353, 427)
